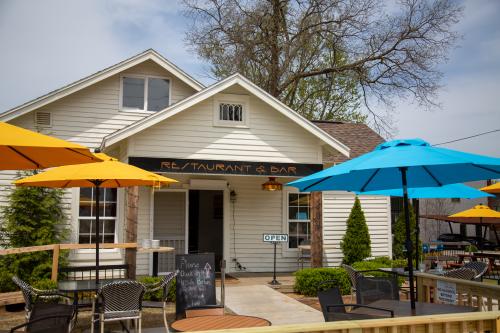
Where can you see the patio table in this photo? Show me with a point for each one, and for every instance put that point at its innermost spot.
(403, 309)
(78, 286)
(204, 323)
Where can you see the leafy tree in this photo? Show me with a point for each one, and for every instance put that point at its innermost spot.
(33, 217)
(370, 49)
(399, 235)
(356, 243)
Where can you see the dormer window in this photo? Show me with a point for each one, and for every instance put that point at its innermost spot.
(140, 93)
(231, 110)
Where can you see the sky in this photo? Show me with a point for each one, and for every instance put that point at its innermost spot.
(47, 44)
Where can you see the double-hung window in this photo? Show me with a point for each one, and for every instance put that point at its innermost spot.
(88, 211)
(299, 223)
(144, 93)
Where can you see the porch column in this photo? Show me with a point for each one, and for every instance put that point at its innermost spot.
(316, 229)
(131, 217)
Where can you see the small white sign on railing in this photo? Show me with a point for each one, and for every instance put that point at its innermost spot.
(274, 238)
(446, 292)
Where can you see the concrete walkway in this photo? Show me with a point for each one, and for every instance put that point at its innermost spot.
(265, 302)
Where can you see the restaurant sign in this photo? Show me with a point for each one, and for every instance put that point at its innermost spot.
(215, 167)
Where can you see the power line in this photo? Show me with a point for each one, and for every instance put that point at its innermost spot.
(467, 137)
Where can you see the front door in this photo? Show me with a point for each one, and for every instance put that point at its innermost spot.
(206, 216)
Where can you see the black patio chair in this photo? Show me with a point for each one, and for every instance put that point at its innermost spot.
(164, 285)
(334, 308)
(461, 273)
(353, 276)
(118, 301)
(45, 301)
(479, 266)
(371, 289)
(41, 322)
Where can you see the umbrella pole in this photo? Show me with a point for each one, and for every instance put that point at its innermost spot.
(481, 238)
(408, 237)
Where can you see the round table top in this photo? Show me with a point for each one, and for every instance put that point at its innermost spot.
(155, 249)
(204, 323)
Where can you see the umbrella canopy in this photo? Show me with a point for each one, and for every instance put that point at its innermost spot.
(403, 164)
(109, 173)
(464, 220)
(478, 211)
(445, 191)
(495, 188)
(22, 149)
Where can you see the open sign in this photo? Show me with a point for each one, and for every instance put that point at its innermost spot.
(273, 238)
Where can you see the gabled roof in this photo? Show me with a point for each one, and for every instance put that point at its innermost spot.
(359, 137)
(212, 90)
(99, 76)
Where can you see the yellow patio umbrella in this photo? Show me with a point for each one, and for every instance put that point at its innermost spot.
(21, 149)
(109, 173)
(494, 188)
(479, 211)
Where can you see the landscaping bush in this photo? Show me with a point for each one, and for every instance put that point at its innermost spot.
(34, 216)
(307, 280)
(380, 262)
(399, 237)
(356, 244)
(45, 284)
(157, 295)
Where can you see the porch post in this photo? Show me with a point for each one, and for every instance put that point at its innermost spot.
(316, 229)
(131, 228)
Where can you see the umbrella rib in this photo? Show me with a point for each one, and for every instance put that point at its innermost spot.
(76, 151)
(485, 168)
(316, 183)
(432, 176)
(118, 183)
(26, 157)
(369, 180)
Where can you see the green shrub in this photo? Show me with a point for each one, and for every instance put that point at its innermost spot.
(356, 244)
(399, 238)
(157, 295)
(34, 216)
(307, 280)
(45, 284)
(380, 262)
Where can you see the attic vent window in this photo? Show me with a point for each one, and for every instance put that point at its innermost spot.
(43, 119)
(231, 110)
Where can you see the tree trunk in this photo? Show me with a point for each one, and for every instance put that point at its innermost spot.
(131, 229)
(316, 229)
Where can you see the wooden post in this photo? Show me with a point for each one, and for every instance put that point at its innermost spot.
(55, 261)
(316, 229)
(131, 228)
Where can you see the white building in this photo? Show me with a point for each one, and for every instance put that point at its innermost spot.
(221, 143)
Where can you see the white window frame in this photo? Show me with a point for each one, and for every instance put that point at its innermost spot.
(286, 250)
(244, 100)
(146, 80)
(101, 218)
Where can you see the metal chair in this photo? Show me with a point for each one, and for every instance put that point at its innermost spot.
(334, 309)
(55, 323)
(371, 289)
(117, 301)
(164, 284)
(304, 253)
(353, 275)
(479, 266)
(46, 301)
(461, 273)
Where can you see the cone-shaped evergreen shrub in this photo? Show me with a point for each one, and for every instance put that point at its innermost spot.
(34, 216)
(399, 235)
(356, 244)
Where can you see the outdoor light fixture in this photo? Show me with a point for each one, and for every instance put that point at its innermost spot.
(272, 185)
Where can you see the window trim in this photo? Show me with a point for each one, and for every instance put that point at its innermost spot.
(286, 250)
(244, 100)
(146, 80)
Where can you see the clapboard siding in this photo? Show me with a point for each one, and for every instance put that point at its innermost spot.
(336, 209)
(143, 228)
(271, 137)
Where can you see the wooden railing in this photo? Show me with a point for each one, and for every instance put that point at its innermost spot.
(56, 248)
(449, 323)
(485, 297)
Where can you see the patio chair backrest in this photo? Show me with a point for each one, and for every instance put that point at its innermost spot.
(58, 321)
(121, 296)
(163, 284)
(371, 289)
(330, 296)
(479, 266)
(353, 275)
(461, 273)
(29, 294)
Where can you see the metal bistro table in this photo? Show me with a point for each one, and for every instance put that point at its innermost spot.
(79, 286)
(155, 252)
(204, 323)
(403, 309)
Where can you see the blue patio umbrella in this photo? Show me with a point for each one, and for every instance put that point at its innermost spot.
(403, 164)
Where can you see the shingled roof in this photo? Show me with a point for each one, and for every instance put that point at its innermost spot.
(359, 138)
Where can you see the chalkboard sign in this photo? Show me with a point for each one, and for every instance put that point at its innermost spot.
(195, 283)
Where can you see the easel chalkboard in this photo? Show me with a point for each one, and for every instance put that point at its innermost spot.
(195, 283)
